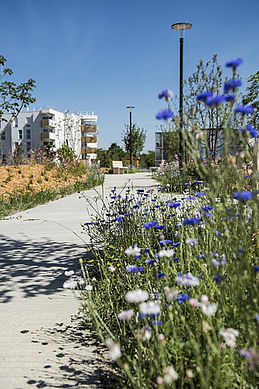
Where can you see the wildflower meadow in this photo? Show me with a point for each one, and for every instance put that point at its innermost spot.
(171, 287)
(43, 177)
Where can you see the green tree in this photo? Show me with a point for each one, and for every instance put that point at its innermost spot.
(138, 138)
(147, 159)
(208, 77)
(116, 152)
(103, 156)
(18, 155)
(252, 97)
(13, 97)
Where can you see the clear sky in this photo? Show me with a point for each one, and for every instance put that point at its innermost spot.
(102, 55)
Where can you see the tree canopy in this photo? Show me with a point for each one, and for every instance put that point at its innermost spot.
(138, 138)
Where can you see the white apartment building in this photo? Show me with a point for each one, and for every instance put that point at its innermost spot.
(49, 127)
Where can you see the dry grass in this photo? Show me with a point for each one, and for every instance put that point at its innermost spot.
(34, 178)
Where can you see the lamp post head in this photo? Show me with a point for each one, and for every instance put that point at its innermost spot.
(130, 107)
(181, 27)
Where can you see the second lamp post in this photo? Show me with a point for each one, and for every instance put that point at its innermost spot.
(181, 27)
(130, 107)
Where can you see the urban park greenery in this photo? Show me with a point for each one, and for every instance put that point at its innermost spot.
(171, 286)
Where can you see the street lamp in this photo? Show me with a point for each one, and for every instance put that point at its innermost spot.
(181, 27)
(130, 107)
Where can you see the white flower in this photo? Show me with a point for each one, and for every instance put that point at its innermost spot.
(70, 284)
(145, 333)
(136, 296)
(81, 281)
(149, 308)
(192, 242)
(170, 375)
(166, 253)
(187, 280)
(114, 349)
(171, 294)
(134, 251)
(69, 273)
(209, 309)
(111, 268)
(126, 315)
(193, 302)
(229, 335)
(88, 288)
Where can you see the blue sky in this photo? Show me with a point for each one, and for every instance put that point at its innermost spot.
(100, 55)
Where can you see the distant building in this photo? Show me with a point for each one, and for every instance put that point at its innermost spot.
(49, 127)
(160, 153)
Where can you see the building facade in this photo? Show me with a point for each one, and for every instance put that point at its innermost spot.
(49, 127)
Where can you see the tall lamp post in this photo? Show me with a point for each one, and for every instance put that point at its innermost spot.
(130, 107)
(181, 27)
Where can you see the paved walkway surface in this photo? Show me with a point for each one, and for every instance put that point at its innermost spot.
(42, 343)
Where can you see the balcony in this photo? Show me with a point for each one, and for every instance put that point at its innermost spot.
(48, 123)
(89, 139)
(47, 136)
(85, 128)
(88, 150)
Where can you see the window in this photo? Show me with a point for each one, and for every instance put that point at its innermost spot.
(3, 136)
(20, 134)
(28, 146)
(28, 134)
(16, 122)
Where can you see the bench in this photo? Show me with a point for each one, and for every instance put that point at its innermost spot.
(118, 168)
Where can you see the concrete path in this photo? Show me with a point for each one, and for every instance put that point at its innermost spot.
(42, 343)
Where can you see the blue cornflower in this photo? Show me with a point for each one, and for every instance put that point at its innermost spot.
(176, 244)
(164, 115)
(176, 260)
(191, 221)
(160, 227)
(253, 132)
(232, 85)
(199, 194)
(215, 100)
(166, 241)
(151, 261)
(219, 278)
(234, 63)
(134, 269)
(207, 207)
(229, 98)
(182, 297)
(166, 93)
(174, 205)
(243, 195)
(119, 219)
(203, 96)
(160, 275)
(244, 109)
(150, 224)
(256, 268)
(157, 322)
(257, 317)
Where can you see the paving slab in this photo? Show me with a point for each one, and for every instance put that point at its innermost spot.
(42, 341)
